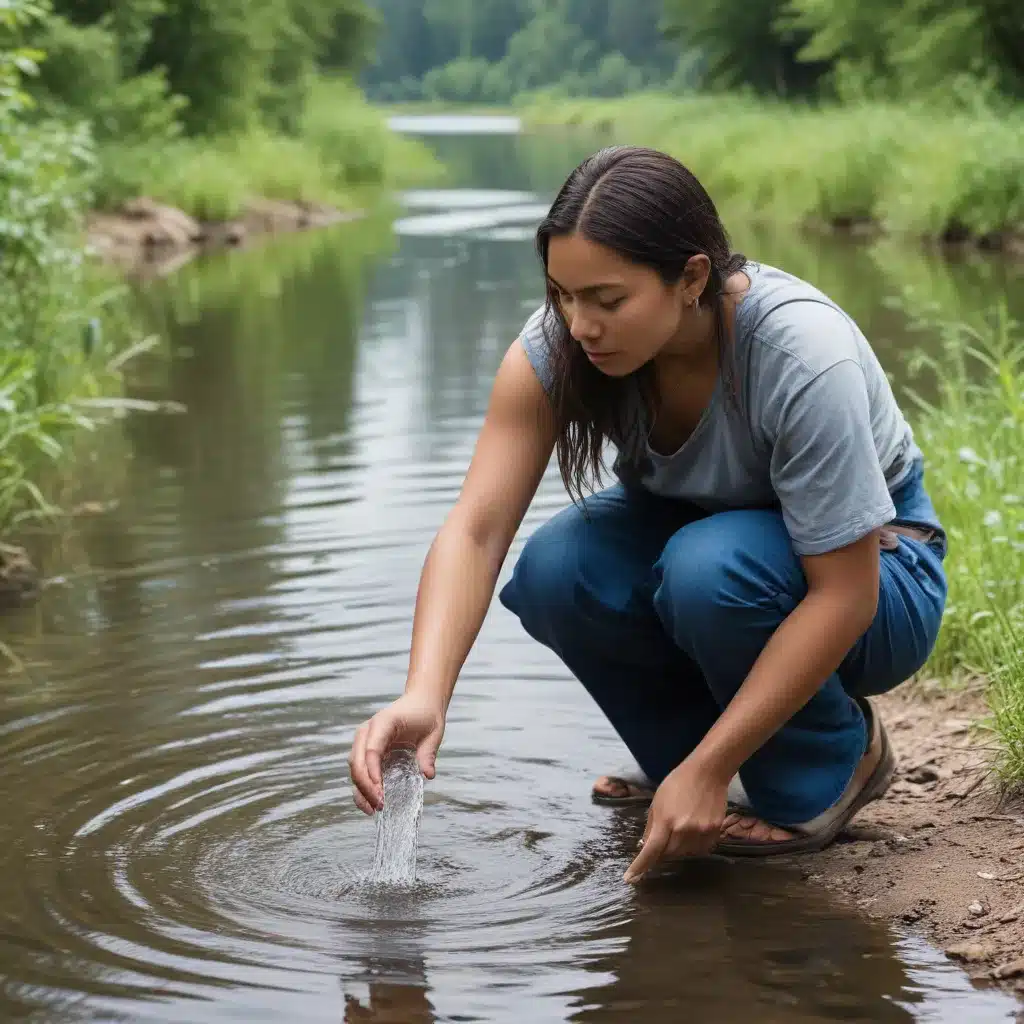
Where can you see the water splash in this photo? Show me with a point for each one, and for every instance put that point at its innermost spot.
(394, 860)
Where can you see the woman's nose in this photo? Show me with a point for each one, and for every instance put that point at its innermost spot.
(584, 329)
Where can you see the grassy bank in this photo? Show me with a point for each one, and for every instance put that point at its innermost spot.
(343, 156)
(971, 434)
(922, 173)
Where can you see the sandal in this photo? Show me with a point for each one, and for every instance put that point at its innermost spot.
(638, 790)
(635, 789)
(817, 833)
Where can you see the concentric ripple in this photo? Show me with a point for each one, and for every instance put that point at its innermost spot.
(178, 839)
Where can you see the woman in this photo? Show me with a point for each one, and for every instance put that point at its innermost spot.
(768, 558)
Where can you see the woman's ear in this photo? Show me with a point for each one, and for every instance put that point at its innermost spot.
(695, 277)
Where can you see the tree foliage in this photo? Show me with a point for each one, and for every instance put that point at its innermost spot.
(213, 65)
(872, 48)
(492, 50)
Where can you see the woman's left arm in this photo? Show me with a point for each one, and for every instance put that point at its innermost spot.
(803, 652)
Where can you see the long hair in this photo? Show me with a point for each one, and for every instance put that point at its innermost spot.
(647, 207)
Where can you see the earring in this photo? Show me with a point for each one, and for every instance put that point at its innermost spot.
(696, 305)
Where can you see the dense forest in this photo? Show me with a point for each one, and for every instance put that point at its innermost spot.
(493, 51)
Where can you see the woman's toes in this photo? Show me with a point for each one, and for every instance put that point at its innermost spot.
(753, 830)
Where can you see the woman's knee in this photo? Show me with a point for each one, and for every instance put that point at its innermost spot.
(541, 590)
(727, 563)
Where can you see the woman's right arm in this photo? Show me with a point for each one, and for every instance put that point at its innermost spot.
(461, 571)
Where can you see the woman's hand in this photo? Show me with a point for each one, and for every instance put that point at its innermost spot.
(685, 818)
(411, 721)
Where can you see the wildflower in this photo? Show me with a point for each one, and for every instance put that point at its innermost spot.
(993, 518)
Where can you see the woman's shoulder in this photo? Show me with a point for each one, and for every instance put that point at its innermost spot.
(536, 337)
(785, 319)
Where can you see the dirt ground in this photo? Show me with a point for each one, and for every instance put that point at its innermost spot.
(144, 236)
(941, 853)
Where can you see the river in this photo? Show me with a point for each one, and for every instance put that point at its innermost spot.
(178, 838)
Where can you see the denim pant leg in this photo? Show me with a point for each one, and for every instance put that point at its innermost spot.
(726, 584)
(583, 586)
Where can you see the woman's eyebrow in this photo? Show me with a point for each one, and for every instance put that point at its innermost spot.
(590, 288)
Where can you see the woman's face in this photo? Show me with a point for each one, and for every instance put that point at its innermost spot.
(621, 313)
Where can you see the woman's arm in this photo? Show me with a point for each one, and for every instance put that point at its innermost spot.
(804, 651)
(462, 566)
(460, 573)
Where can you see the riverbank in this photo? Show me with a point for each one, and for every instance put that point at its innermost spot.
(224, 191)
(952, 178)
(145, 237)
(943, 852)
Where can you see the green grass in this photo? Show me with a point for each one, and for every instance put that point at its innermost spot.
(911, 172)
(343, 156)
(971, 433)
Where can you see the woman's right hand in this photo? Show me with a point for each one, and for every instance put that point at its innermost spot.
(411, 721)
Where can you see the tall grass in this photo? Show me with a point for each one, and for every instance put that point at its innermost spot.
(343, 154)
(909, 171)
(61, 325)
(972, 432)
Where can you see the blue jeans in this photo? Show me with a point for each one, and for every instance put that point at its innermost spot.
(660, 610)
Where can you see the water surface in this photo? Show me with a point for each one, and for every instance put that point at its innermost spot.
(178, 840)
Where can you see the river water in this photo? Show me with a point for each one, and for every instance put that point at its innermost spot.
(178, 838)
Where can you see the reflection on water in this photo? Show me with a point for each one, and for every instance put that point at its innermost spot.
(178, 840)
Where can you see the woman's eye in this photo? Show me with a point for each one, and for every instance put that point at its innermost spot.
(613, 304)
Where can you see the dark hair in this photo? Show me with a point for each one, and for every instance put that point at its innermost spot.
(646, 206)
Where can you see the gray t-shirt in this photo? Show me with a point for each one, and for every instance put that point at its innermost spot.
(818, 432)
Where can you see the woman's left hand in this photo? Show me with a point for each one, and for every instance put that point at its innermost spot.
(685, 818)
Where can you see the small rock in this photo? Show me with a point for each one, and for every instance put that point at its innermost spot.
(987, 875)
(859, 868)
(969, 952)
(922, 775)
(912, 916)
(1012, 915)
(1011, 970)
(976, 909)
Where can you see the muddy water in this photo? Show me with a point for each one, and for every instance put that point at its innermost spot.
(178, 842)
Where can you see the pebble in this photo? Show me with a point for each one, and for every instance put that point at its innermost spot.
(970, 952)
(1010, 970)
(976, 909)
(1012, 915)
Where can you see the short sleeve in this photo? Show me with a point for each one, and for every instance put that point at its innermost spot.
(535, 342)
(824, 465)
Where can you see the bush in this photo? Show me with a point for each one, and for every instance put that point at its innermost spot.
(53, 349)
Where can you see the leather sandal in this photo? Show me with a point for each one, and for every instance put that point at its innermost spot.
(820, 831)
(638, 789)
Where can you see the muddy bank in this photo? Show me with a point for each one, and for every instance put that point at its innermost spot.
(148, 237)
(941, 853)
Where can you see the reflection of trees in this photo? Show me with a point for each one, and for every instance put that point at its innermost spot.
(254, 336)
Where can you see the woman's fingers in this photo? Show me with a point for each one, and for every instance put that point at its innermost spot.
(654, 843)
(365, 788)
(378, 740)
(362, 803)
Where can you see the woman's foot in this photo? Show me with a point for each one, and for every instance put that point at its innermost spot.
(747, 836)
(618, 789)
(753, 830)
(746, 833)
